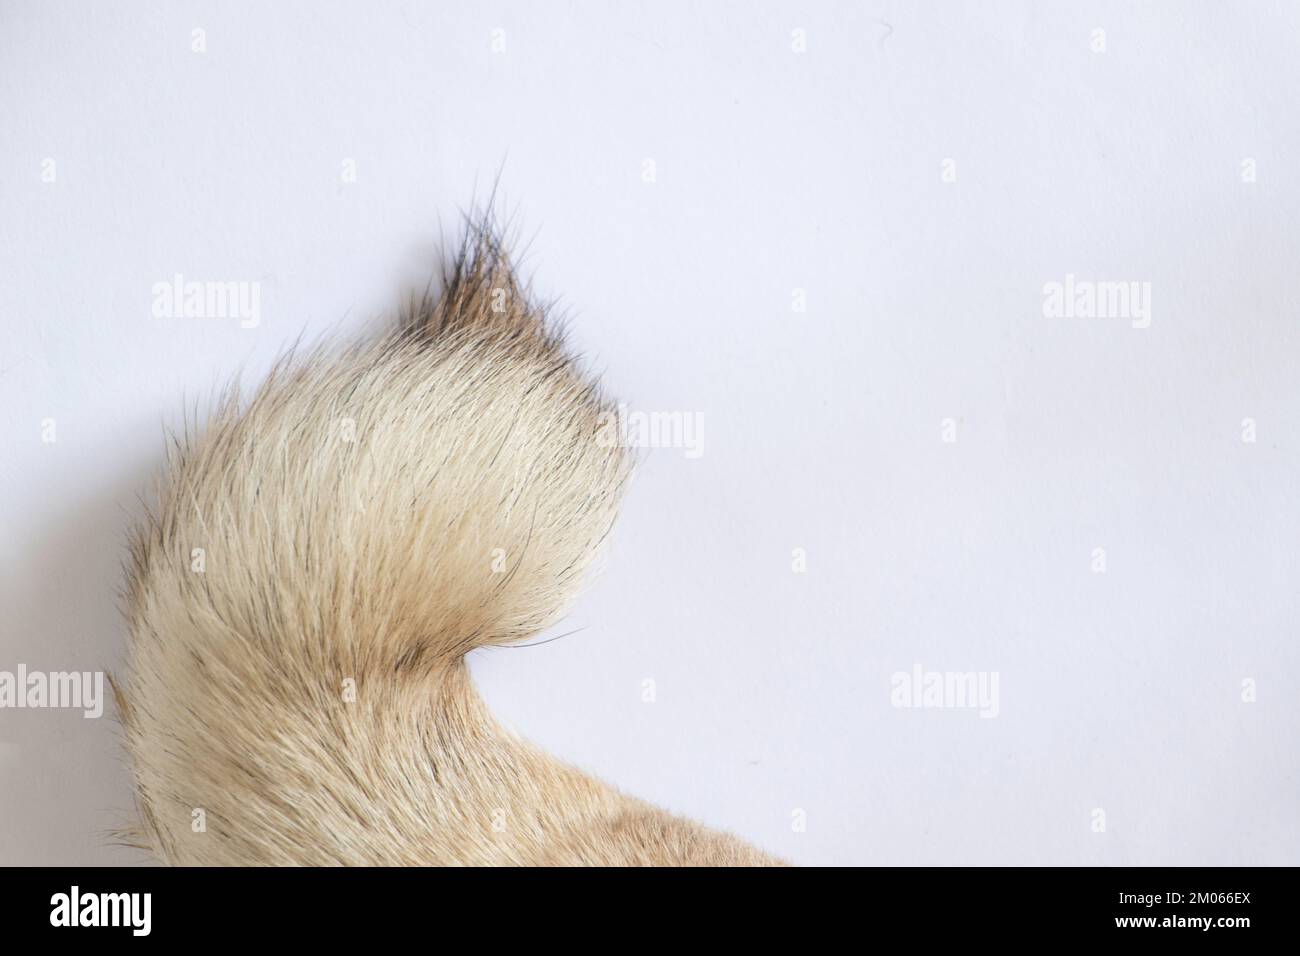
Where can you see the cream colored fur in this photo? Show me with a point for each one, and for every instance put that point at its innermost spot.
(364, 521)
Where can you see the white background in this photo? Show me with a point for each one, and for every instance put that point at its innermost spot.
(775, 171)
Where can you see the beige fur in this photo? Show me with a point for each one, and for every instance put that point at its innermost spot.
(350, 518)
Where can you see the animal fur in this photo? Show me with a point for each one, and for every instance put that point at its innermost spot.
(367, 519)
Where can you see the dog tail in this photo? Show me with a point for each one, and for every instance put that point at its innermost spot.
(324, 554)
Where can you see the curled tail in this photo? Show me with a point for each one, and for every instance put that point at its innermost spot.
(321, 560)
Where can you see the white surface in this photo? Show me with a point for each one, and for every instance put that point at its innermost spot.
(775, 170)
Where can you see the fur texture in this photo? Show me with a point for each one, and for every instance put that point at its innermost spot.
(364, 521)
